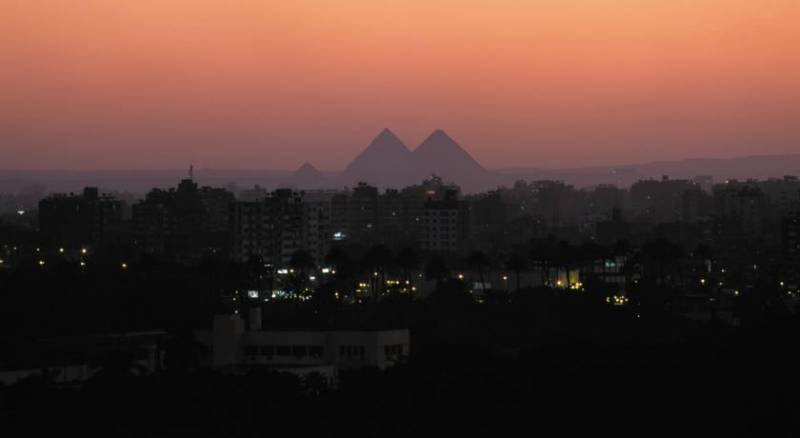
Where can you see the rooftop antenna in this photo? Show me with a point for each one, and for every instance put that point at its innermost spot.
(191, 171)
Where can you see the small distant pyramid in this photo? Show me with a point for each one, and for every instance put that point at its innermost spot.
(385, 161)
(307, 170)
(440, 154)
(308, 177)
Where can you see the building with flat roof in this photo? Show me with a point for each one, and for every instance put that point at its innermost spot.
(234, 347)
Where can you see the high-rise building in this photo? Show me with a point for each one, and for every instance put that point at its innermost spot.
(77, 220)
(317, 234)
(187, 221)
(659, 201)
(271, 229)
(444, 224)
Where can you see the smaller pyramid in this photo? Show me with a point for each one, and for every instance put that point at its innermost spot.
(307, 170)
(308, 177)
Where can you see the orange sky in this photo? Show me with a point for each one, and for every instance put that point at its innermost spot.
(88, 84)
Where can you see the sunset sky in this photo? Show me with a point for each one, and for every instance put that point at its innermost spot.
(114, 84)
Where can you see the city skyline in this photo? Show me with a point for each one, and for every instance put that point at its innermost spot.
(399, 217)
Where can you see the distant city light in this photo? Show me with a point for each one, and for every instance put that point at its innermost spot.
(252, 294)
(124, 266)
(61, 250)
(279, 293)
(20, 212)
(41, 262)
(617, 300)
(84, 251)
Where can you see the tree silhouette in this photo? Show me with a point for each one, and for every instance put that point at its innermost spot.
(301, 261)
(478, 260)
(377, 259)
(408, 260)
(343, 269)
(437, 268)
(516, 263)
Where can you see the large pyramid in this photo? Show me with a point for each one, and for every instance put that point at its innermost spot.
(385, 161)
(441, 155)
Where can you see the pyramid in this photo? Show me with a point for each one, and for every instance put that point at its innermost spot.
(308, 177)
(440, 154)
(307, 170)
(386, 161)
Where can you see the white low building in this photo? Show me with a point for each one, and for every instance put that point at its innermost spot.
(302, 352)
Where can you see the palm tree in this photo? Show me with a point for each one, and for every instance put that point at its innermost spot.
(542, 252)
(301, 261)
(342, 266)
(408, 261)
(564, 255)
(337, 258)
(589, 253)
(255, 271)
(437, 269)
(517, 264)
(377, 259)
(539, 257)
(660, 253)
(478, 260)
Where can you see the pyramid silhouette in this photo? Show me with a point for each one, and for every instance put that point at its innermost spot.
(386, 161)
(440, 154)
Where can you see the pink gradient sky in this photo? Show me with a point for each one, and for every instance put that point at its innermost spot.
(90, 84)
